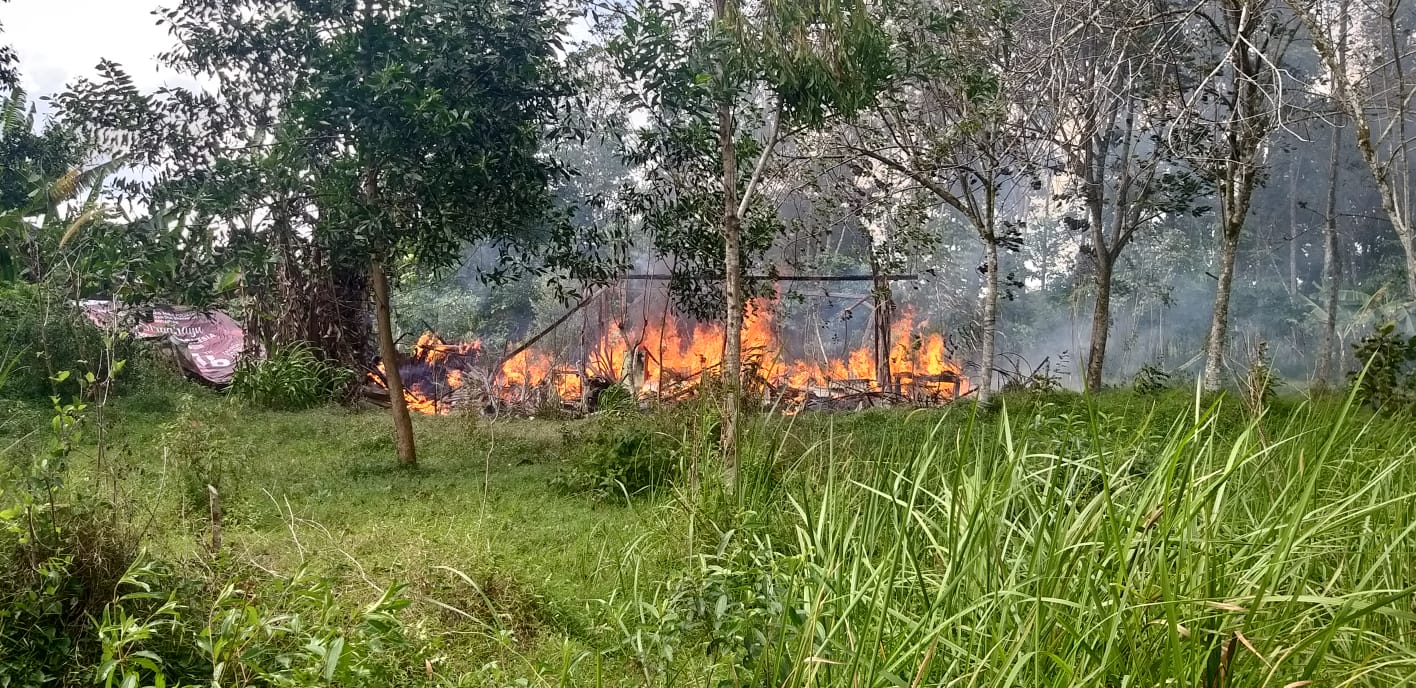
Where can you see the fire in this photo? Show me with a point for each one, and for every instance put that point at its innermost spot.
(675, 357)
(670, 359)
(432, 372)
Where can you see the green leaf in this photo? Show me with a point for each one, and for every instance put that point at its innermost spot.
(332, 657)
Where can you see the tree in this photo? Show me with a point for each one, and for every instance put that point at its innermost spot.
(1328, 354)
(47, 195)
(721, 87)
(1108, 111)
(29, 152)
(1374, 90)
(9, 72)
(1235, 92)
(399, 131)
(949, 125)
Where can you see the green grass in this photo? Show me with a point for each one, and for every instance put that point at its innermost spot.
(1042, 541)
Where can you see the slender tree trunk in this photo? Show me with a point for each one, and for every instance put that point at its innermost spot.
(884, 321)
(378, 276)
(1101, 322)
(990, 322)
(1408, 247)
(388, 351)
(1293, 171)
(732, 280)
(1353, 98)
(1331, 274)
(1219, 323)
(1386, 187)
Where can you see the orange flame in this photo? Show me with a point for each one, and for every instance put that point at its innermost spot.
(671, 358)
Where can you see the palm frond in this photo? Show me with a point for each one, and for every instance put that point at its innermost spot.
(86, 218)
(79, 179)
(12, 113)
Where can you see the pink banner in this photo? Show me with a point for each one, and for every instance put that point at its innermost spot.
(208, 343)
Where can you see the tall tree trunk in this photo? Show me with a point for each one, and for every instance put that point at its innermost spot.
(1219, 322)
(1386, 172)
(1386, 187)
(378, 276)
(1101, 322)
(1327, 349)
(990, 322)
(388, 351)
(732, 280)
(1293, 172)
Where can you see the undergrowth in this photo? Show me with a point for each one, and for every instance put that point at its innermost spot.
(290, 378)
(1138, 538)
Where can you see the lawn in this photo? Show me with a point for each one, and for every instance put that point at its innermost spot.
(1130, 540)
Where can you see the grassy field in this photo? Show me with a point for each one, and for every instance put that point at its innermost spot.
(1041, 541)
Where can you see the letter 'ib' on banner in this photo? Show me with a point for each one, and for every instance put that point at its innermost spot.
(208, 343)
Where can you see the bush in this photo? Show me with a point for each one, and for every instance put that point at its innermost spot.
(150, 379)
(1150, 380)
(61, 555)
(198, 444)
(79, 605)
(282, 631)
(41, 333)
(292, 378)
(1389, 380)
(626, 458)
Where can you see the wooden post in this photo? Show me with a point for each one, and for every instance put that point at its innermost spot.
(884, 322)
(214, 502)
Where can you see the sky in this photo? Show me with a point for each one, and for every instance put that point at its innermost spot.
(60, 40)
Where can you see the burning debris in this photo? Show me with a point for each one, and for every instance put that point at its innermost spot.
(670, 361)
(436, 375)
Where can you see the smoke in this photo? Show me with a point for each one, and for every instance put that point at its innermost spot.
(1163, 288)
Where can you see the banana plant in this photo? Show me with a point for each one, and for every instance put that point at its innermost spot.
(1359, 312)
(57, 209)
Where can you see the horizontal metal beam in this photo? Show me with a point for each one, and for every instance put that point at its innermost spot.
(785, 278)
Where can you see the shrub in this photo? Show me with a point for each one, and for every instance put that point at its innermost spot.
(61, 554)
(625, 458)
(149, 380)
(198, 444)
(1389, 380)
(1151, 379)
(42, 333)
(282, 631)
(736, 604)
(292, 378)
(1260, 383)
(79, 605)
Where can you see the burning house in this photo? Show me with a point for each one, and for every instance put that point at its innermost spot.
(669, 359)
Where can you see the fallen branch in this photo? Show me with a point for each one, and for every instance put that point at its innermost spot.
(532, 341)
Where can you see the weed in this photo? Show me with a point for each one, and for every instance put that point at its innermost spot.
(291, 378)
(287, 631)
(61, 555)
(41, 334)
(1048, 539)
(622, 460)
(1260, 382)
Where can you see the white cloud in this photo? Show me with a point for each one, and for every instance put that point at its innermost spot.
(60, 40)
